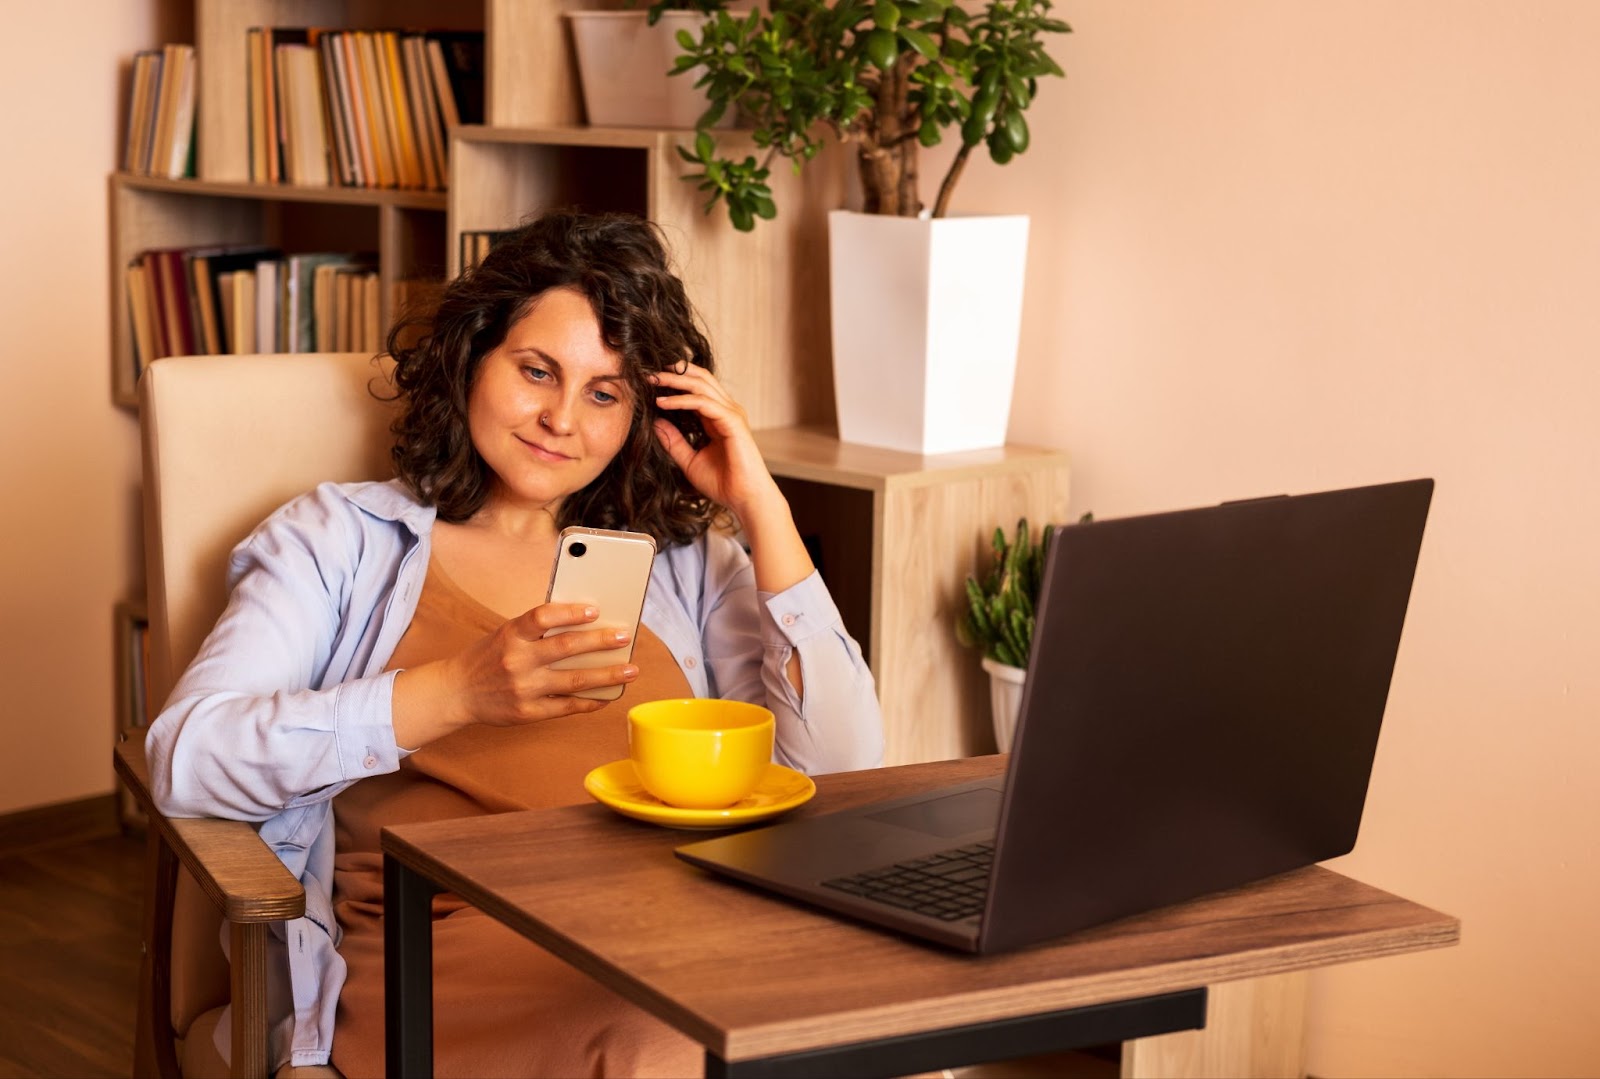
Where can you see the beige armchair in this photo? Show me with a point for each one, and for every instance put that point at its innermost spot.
(227, 439)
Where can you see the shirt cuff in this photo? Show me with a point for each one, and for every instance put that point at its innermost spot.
(363, 720)
(799, 612)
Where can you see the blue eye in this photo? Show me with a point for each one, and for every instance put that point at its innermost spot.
(604, 398)
(537, 374)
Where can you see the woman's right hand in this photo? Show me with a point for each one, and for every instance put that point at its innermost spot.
(505, 679)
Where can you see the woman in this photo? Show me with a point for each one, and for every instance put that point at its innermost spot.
(394, 633)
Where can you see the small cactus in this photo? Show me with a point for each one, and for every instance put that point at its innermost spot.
(1000, 608)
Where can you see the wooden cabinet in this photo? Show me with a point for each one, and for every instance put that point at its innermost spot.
(895, 533)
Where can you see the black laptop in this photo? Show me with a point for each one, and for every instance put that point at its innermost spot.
(1201, 710)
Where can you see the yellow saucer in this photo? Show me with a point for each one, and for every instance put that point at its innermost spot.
(617, 785)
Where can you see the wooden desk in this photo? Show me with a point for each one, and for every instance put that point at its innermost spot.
(815, 994)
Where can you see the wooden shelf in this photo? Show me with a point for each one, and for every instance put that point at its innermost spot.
(405, 228)
(817, 455)
(332, 195)
(895, 536)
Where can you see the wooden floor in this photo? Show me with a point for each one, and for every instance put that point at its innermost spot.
(69, 959)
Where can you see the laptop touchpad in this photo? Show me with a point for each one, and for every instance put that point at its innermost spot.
(952, 815)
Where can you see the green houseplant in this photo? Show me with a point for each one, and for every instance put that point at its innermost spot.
(887, 78)
(999, 618)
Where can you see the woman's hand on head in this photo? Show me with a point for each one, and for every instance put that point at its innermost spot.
(728, 469)
(506, 679)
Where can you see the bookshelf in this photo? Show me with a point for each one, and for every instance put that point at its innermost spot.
(896, 533)
(406, 228)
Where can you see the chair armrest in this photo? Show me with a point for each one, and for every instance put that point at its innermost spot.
(237, 871)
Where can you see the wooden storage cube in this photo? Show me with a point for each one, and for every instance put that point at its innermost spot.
(406, 229)
(223, 126)
(497, 184)
(836, 524)
(763, 295)
(899, 533)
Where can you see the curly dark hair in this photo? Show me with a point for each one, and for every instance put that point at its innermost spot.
(619, 263)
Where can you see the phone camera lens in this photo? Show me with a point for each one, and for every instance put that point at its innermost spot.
(578, 549)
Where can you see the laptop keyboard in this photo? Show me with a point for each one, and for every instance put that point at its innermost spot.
(950, 885)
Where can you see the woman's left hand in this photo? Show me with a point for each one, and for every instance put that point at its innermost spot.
(728, 469)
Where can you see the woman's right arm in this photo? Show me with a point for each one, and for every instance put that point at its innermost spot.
(267, 716)
(276, 712)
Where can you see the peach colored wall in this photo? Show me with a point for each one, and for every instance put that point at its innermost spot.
(1278, 246)
(1283, 245)
(70, 458)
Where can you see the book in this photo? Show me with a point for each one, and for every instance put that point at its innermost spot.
(355, 101)
(405, 134)
(180, 159)
(226, 300)
(144, 84)
(171, 305)
(300, 103)
(371, 329)
(243, 339)
(403, 176)
(419, 92)
(206, 307)
(474, 244)
(273, 118)
(267, 274)
(449, 115)
(299, 318)
(372, 103)
(334, 111)
(141, 317)
(255, 93)
(164, 106)
(208, 267)
(461, 57)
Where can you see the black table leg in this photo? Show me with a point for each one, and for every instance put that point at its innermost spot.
(980, 1043)
(407, 971)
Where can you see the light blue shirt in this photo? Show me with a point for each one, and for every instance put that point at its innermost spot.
(287, 702)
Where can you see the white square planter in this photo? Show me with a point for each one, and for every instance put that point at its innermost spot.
(926, 317)
(623, 65)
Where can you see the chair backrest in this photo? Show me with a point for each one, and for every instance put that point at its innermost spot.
(228, 439)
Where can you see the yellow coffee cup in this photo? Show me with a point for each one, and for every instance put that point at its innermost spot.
(700, 753)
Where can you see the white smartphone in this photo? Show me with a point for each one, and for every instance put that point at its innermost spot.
(609, 570)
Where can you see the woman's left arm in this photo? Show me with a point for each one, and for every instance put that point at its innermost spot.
(813, 672)
(752, 637)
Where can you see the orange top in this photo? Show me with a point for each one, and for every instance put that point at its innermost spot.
(482, 769)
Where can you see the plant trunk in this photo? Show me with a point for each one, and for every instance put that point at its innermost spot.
(888, 159)
(947, 186)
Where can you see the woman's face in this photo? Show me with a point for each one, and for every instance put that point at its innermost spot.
(550, 408)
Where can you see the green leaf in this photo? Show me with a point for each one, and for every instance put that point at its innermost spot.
(886, 13)
(919, 41)
(999, 148)
(704, 146)
(881, 49)
(1016, 129)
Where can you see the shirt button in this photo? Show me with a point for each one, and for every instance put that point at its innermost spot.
(788, 619)
(370, 761)
(689, 662)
